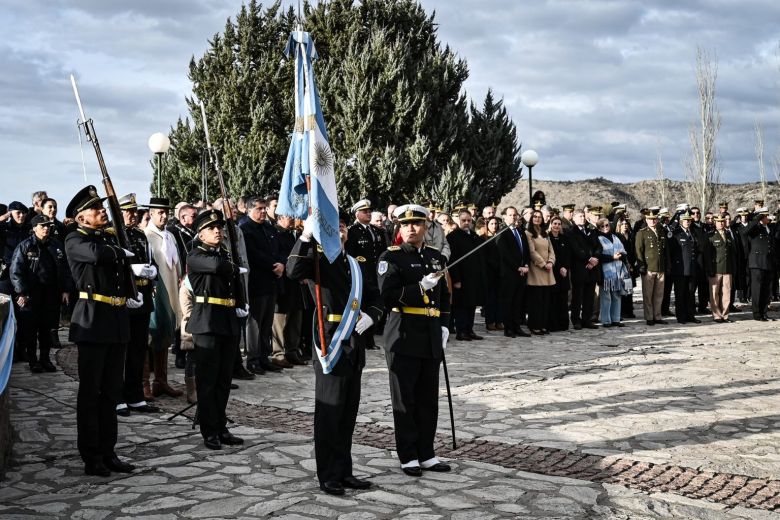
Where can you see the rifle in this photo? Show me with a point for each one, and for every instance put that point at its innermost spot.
(228, 211)
(113, 203)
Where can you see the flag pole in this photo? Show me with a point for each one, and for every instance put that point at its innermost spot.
(317, 283)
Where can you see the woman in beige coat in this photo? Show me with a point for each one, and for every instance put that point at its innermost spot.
(540, 275)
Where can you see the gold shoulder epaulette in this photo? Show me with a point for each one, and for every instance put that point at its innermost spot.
(360, 258)
(394, 248)
(81, 231)
(110, 231)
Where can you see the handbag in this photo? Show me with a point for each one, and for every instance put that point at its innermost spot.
(628, 282)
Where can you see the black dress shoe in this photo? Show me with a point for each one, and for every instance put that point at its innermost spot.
(509, 334)
(256, 369)
(36, 368)
(439, 467)
(48, 366)
(661, 322)
(355, 483)
(522, 333)
(332, 487)
(243, 374)
(413, 471)
(96, 469)
(294, 358)
(695, 320)
(462, 337)
(619, 324)
(144, 408)
(578, 326)
(114, 464)
(268, 366)
(233, 386)
(212, 442)
(124, 412)
(230, 439)
(474, 336)
(589, 325)
(651, 322)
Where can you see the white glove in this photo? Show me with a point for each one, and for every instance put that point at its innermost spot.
(429, 281)
(243, 270)
(242, 313)
(363, 323)
(445, 335)
(135, 304)
(308, 229)
(128, 253)
(144, 271)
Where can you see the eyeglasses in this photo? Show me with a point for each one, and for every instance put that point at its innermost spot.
(605, 226)
(695, 213)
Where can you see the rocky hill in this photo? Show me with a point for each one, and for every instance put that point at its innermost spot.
(636, 195)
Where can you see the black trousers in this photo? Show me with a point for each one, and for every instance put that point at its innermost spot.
(703, 288)
(684, 301)
(539, 306)
(583, 296)
(667, 300)
(337, 396)
(464, 318)
(101, 366)
(414, 392)
(559, 308)
(36, 320)
(259, 328)
(137, 350)
(213, 372)
(759, 291)
(513, 304)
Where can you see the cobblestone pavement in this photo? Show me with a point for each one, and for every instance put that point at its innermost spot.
(652, 422)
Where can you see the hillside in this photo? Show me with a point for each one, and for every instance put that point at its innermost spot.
(636, 195)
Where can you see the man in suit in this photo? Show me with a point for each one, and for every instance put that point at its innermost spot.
(760, 261)
(585, 271)
(337, 383)
(467, 278)
(415, 337)
(514, 257)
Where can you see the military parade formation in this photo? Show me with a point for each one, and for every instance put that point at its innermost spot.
(413, 277)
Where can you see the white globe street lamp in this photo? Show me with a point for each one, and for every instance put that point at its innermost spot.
(529, 158)
(159, 144)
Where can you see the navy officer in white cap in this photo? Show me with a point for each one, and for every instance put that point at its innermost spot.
(418, 302)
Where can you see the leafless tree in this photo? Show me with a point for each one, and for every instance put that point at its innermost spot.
(760, 158)
(702, 168)
(660, 175)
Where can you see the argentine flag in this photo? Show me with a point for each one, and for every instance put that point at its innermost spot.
(310, 154)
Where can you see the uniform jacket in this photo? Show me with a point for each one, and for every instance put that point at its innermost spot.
(211, 274)
(683, 252)
(720, 253)
(140, 246)
(289, 297)
(262, 250)
(541, 252)
(37, 265)
(97, 266)
(335, 286)
(584, 246)
(651, 250)
(762, 247)
(365, 244)
(400, 270)
(470, 273)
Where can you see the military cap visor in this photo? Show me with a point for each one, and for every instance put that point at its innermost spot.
(128, 202)
(86, 198)
(411, 213)
(41, 220)
(718, 218)
(210, 218)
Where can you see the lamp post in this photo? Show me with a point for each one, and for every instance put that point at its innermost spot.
(530, 158)
(159, 144)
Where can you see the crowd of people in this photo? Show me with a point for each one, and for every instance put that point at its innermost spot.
(530, 271)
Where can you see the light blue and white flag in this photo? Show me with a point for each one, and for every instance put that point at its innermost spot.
(7, 337)
(310, 154)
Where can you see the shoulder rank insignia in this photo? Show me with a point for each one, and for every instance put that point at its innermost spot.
(360, 259)
(394, 248)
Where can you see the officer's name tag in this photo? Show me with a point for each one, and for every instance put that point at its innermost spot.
(382, 267)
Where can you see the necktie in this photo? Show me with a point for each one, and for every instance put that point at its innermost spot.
(519, 240)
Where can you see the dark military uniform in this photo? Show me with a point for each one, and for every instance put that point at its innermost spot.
(365, 243)
(40, 272)
(100, 327)
(760, 260)
(215, 331)
(337, 394)
(413, 345)
(683, 250)
(138, 347)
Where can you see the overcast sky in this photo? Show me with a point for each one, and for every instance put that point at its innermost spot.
(595, 87)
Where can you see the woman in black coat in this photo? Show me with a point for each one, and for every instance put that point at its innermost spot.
(559, 299)
(490, 309)
(625, 234)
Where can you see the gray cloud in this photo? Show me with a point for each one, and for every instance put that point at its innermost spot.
(595, 86)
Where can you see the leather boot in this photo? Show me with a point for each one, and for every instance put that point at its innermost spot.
(147, 387)
(160, 385)
(192, 393)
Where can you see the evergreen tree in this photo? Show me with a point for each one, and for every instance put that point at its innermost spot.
(399, 122)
